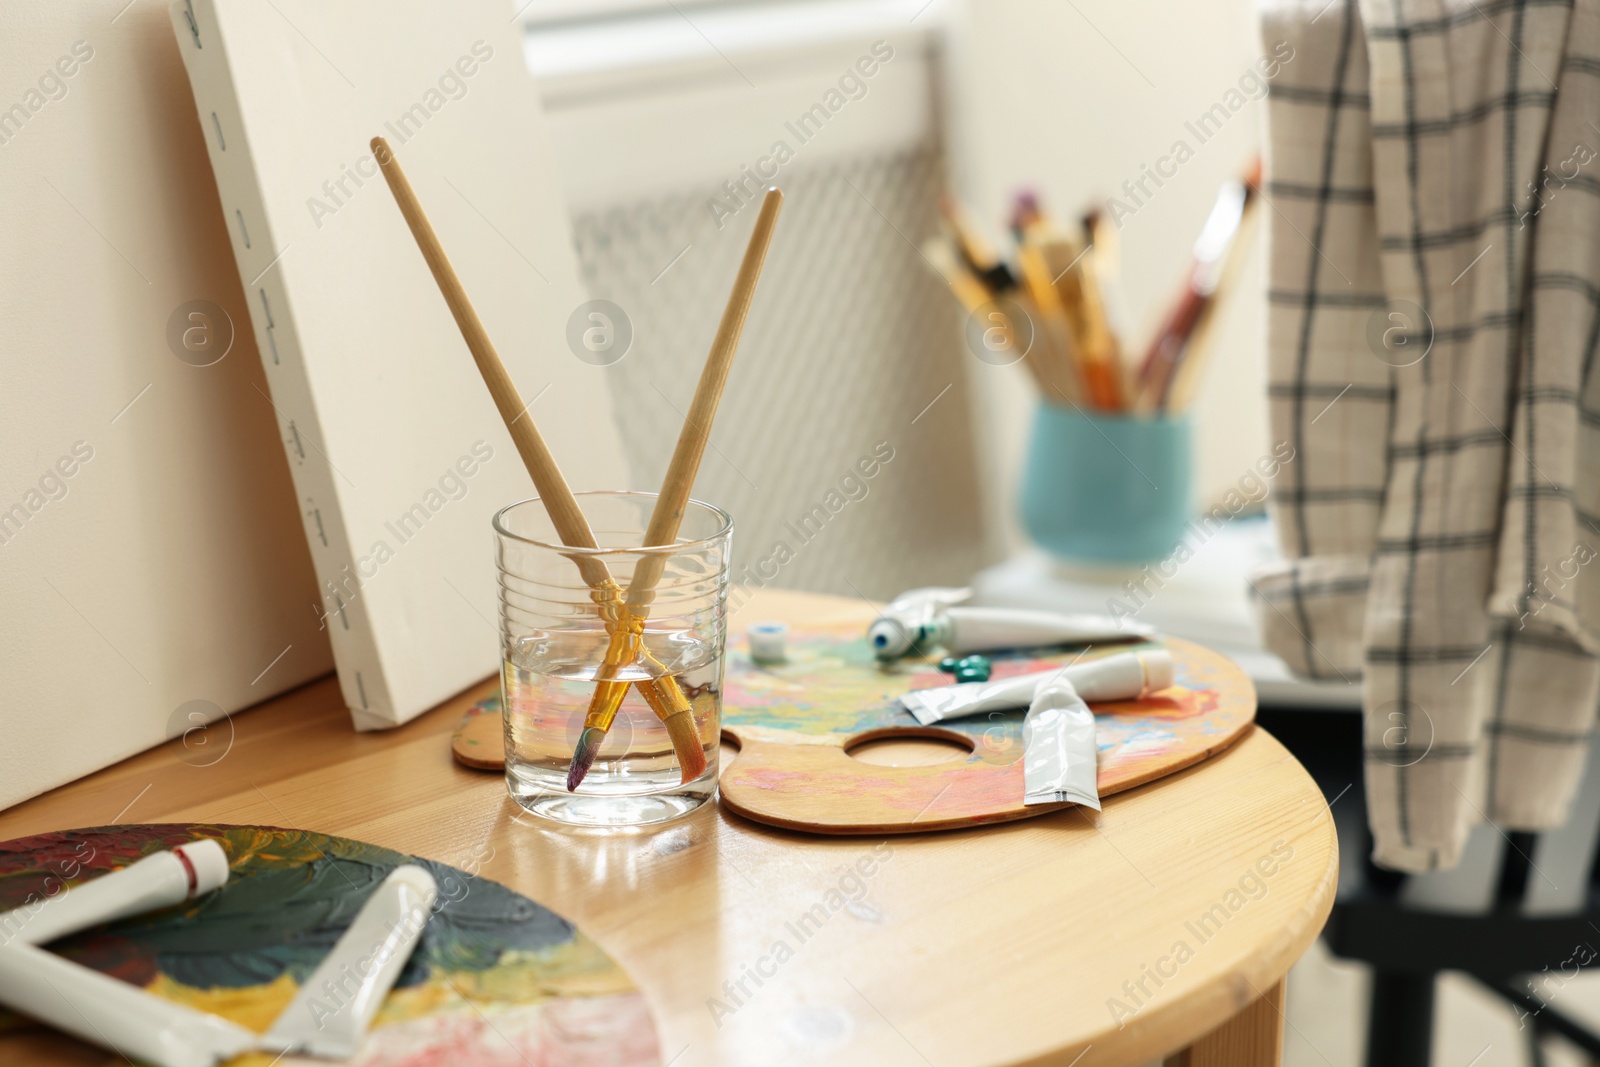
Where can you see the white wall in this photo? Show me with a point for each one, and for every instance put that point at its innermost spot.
(1071, 99)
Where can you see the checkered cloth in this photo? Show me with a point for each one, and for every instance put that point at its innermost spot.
(1434, 214)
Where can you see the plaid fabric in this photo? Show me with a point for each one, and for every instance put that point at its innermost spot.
(1434, 315)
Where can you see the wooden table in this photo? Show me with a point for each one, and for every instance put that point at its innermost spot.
(1168, 920)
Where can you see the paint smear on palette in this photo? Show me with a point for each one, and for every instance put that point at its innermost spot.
(831, 684)
(797, 721)
(496, 980)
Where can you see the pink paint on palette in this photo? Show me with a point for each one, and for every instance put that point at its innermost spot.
(603, 1031)
(497, 978)
(796, 723)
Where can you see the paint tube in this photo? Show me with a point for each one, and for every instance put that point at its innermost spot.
(929, 618)
(157, 881)
(905, 620)
(964, 630)
(1124, 676)
(330, 1014)
(1058, 749)
(114, 1014)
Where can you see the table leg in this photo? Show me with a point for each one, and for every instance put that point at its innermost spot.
(1252, 1038)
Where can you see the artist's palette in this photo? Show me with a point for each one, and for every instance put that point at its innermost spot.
(496, 979)
(795, 724)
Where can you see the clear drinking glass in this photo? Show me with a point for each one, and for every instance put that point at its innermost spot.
(574, 629)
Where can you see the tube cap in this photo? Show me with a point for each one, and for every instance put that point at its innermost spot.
(1159, 672)
(210, 864)
(768, 642)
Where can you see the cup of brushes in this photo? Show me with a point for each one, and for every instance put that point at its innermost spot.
(1107, 479)
(1106, 489)
(600, 732)
(612, 652)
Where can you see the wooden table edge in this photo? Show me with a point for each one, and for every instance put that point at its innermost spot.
(1213, 1009)
(1165, 1027)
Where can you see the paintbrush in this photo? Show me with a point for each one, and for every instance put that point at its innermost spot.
(1031, 228)
(1065, 279)
(976, 252)
(1105, 259)
(1093, 341)
(948, 264)
(976, 299)
(681, 470)
(1025, 214)
(1185, 376)
(1214, 251)
(662, 693)
(1104, 262)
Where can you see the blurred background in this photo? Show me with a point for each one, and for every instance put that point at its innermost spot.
(654, 106)
(656, 103)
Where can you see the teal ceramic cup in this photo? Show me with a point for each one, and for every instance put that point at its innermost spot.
(1107, 489)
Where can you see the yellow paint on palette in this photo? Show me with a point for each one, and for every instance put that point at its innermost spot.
(493, 967)
(253, 1007)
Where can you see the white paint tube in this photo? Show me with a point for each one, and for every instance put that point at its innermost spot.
(1059, 763)
(963, 630)
(114, 1014)
(157, 881)
(330, 1014)
(1124, 676)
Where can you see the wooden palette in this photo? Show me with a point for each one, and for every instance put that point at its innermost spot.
(795, 724)
(496, 978)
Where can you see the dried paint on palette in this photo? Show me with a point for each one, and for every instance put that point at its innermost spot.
(495, 974)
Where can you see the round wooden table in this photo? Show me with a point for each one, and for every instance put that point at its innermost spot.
(1163, 927)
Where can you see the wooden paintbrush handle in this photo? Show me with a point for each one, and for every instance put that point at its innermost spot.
(662, 530)
(696, 433)
(554, 492)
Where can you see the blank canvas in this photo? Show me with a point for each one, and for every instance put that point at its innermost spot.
(398, 455)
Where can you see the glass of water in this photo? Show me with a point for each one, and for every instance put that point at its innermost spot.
(611, 661)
